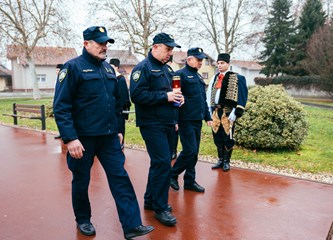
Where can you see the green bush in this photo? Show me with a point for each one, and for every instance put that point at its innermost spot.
(49, 109)
(272, 120)
(304, 82)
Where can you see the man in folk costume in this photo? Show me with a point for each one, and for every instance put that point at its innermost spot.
(226, 97)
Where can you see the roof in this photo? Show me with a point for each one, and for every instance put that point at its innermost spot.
(180, 57)
(48, 56)
(4, 72)
(251, 65)
(126, 57)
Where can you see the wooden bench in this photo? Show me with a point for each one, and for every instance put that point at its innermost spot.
(28, 111)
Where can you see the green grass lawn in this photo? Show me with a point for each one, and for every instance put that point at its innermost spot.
(315, 154)
(327, 102)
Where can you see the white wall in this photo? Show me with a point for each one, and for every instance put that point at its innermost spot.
(2, 84)
(248, 74)
(20, 82)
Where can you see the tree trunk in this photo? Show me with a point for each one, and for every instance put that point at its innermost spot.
(32, 77)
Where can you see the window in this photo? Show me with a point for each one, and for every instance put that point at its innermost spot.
(205, 75)
(207, 62)
(41, 77)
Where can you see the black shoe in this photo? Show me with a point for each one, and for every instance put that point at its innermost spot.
(194, 187)
(86, 229)
(219, 164)
(138, 231)
(174, 154)
(226, 166)
(150, 207)
(57, 137)
(166, 218)
(174, 184)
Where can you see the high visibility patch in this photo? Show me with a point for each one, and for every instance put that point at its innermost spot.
(136, 75)
(62, 75)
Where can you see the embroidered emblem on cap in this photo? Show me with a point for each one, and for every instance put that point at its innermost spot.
(62, 75)
(200, 49)
(101, 29)
(136, 75)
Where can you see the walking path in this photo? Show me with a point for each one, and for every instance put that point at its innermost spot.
(238, 205)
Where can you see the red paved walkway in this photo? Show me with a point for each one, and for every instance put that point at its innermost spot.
(35, 201)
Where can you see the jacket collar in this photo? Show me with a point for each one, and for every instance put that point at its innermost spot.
(154, 60)
(191, 69)
(90, 58)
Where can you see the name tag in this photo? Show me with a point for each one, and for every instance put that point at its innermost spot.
(87, 70)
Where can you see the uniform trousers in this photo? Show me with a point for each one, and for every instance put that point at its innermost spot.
(158, 139)
(121, 126)
(190, 133)
(108, 151)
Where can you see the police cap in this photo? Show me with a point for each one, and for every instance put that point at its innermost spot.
(165, 39)
(197, 53)
(98, 34)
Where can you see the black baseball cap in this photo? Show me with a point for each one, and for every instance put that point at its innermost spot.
(98, 34)
(197, 53)
(165, 39)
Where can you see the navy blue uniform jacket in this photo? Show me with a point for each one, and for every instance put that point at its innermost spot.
(150, 82)
(87, 100)
(193, 89)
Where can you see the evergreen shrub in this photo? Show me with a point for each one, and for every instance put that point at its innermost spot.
(303, 82)
(272, 120)
(49, 109)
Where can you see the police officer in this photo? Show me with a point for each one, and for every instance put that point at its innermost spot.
(86, 108)
(226, 97)
(190, 118)
(58, 68)
(150, 90)
(125, 101)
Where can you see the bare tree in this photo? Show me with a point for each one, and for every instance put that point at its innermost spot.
(26, 23)
(227, 24)
(137, 20)
(320, 55)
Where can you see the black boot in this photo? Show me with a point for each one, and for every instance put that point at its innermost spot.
(219, 164)
(226, 158)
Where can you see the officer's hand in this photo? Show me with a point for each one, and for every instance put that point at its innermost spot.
(120, 136)
(209, 123)
(182, 100)
(176, 96)
(232, 115)
(75, 149)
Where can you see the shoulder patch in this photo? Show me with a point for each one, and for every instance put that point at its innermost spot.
(62, 74)
(136, 76)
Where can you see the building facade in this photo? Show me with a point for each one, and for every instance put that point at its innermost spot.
(45, 60)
